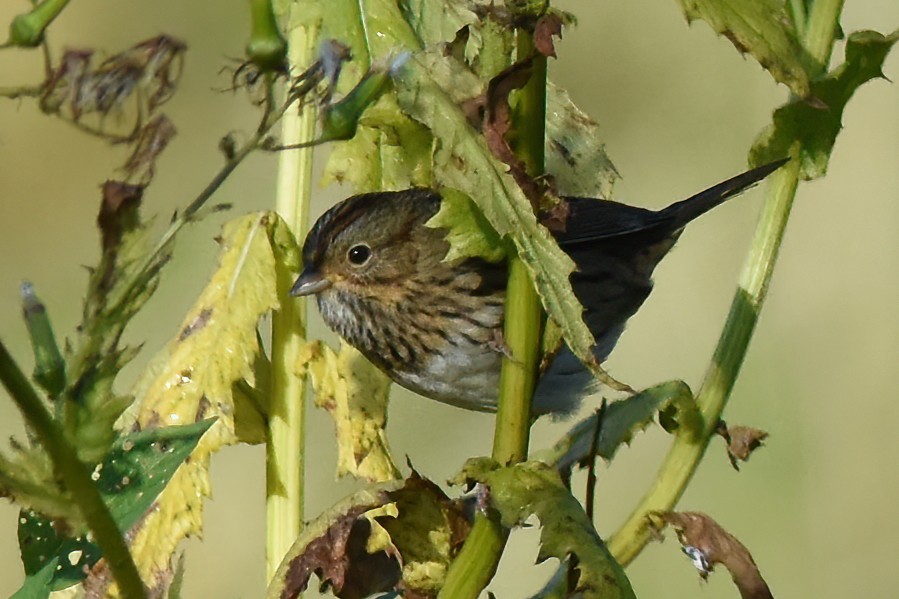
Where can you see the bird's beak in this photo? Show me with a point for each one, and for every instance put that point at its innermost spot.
(309, 282)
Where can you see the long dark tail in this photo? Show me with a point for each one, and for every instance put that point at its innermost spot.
(684, 211)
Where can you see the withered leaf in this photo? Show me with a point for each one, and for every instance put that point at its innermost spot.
(152, 139)
(741, 441)
(547, 26)
(118, 212)
(328, 555)
(427, 531)
(498, 122)
(697, 531)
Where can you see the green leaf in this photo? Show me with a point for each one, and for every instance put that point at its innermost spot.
(49, 366)
(463, 162)
(27, 478)
(762, 28)
(37, 585)
(435, 22)
(575, 154)
(126, 277)
(816, 124)
(130, 479)
(534, 488)
(469, 232)
(390, 151)
(620, 421)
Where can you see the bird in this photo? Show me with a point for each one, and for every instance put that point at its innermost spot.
(380, 280)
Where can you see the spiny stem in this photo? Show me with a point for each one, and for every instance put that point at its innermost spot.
(476, 563)
(75, 476)
(285, 458)
(688, 448)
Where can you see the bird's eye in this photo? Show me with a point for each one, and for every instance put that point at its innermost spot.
(359, 254)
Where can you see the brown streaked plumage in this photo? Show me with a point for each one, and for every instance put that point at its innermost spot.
(381, 283)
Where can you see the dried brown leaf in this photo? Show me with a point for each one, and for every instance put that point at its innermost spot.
(698, 532)
(152, 139)
(741, 441)
(498, 123)
(548, 26)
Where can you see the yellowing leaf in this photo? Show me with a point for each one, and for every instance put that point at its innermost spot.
(390, 151)
(426, 530)
(575, 155)
(215, 346)
(762, 28)
(355, 394)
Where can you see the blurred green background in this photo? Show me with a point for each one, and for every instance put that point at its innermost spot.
(679, 109)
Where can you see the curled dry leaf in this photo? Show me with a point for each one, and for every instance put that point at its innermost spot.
(741, 441)
(397, 535)
(148, 71)
(547, 27)
(426, 531)
(151, 140)
(498, 123)
(707, 544)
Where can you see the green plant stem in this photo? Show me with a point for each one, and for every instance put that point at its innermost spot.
(689, 447)
(75, 476)
(27, 29)
(821, 29)
(285, 456)
(476, 563)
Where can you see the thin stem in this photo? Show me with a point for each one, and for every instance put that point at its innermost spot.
(285, 458)
(796, 9)
(476, 563)
(75, 476)
(21, 92)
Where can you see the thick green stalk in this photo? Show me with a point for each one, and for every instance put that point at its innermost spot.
(689, 447)
(75, 476)
(476, 563)
(285, 458)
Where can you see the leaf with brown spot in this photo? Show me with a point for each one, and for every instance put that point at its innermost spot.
(427, 531)
(196, 382)
(427, 86)
(717, 546)
(741, 441)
